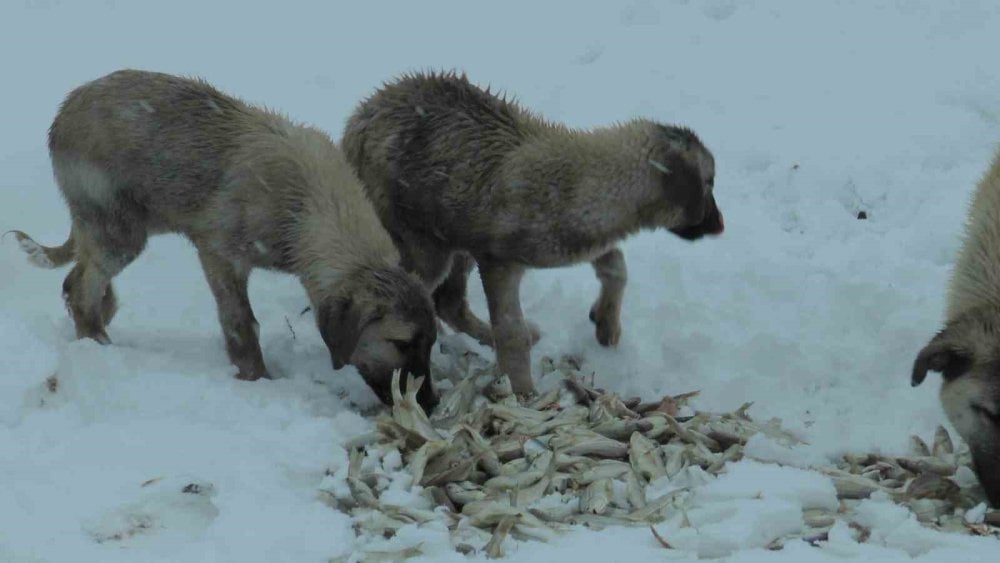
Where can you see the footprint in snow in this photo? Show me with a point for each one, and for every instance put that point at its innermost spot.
(171, 506)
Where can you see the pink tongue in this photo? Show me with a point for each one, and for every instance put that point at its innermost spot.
(722, 225)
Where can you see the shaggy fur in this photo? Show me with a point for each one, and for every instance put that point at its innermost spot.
(457, 172)
(967, 351)
(139, 153)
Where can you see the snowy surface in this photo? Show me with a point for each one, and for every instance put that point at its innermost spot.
(814, 110)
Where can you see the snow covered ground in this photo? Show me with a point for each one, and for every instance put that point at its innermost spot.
(815, 111)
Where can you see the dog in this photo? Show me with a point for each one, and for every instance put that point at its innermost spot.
(460, 177)
(966, 352)
(139, 153)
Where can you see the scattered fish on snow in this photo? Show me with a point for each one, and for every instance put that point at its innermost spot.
(578, 455)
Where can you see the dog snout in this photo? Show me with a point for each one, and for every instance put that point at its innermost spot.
(711, 223)
(986, 461)
(714, 222)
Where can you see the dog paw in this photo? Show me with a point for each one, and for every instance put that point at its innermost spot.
(608, 329)
(534, 332)
(252, 375)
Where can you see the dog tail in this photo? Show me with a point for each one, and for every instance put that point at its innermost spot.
(48, 257)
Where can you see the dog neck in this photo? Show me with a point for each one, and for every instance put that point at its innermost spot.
(336, 231)
(601, 178)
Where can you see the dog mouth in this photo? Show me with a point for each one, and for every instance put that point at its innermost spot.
(689, 233)
(698, 232)
(379, 382)
(986, 464)
(713, 225)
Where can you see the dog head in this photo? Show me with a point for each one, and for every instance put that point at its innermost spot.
(379, 321)
(967, 354)
(683, 174)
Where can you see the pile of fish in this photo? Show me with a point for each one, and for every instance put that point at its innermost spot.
(489, 466)
(935, 482)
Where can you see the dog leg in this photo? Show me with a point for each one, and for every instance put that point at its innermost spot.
(239, 327)
(606, 311)
(511, 336)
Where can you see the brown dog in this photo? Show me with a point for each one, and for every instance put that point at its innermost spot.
(458, 174)
(967, 351)
(139, 153)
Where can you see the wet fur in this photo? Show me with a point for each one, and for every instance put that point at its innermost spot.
(139, 153)
(967, 350)
(460, 176)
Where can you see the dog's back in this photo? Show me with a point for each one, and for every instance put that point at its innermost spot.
(422, 122)
(432, 144)
(976, 279)
(147, 140)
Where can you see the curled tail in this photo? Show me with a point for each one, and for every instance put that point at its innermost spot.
(46, 256)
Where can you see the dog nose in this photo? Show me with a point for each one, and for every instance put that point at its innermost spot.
(720, 224)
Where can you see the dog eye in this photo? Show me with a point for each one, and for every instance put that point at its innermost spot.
(992, 417)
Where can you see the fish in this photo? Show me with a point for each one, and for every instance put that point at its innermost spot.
(545, 401)
(559, 513)
(818, 518)
(927, 464)
(635, 491)
(455, 404)
(929, 509)
(362, 493)
(516, 481)
(603, 469)
(497, 466)
(620, 429)
(596, 498)
(527, 496)
(942, 443)
(851, 486)
(362, 440)
(481, 447)
(383, 556)
(589, 444)
(613, 404)
(932, 486)
(644, 457)
(407, 412)
(500, 389)
(508, 447)
(656, 509)
(376, 523)
(494, 548)
(919, 447)
(488, 513)
(418, 460)
(674, 457)
(452, 464)
(462, 493)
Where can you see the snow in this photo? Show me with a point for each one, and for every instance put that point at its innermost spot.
(722, 528)
(895, 527)
(765, 448)
(749, 480)
(815, 111)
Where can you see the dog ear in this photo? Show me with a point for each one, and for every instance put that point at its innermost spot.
(340, 326)
(940, 356)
